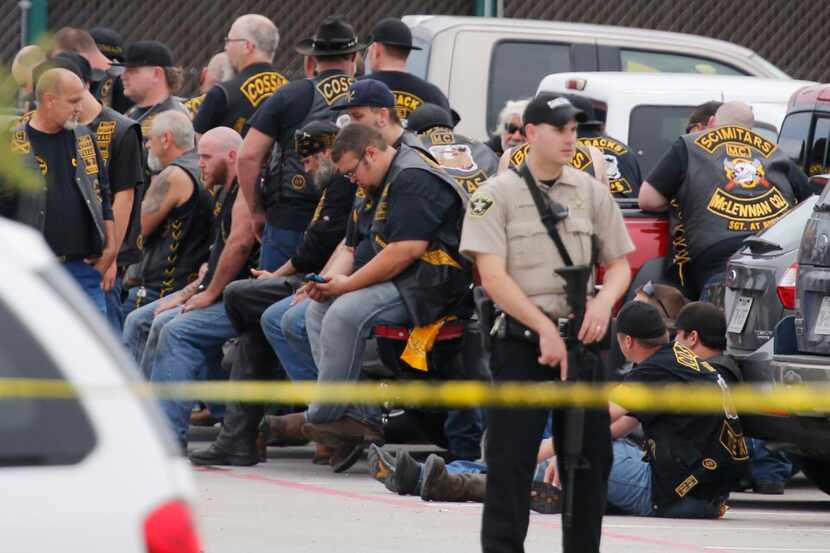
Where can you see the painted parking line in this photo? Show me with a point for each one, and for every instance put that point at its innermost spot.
(781, 549)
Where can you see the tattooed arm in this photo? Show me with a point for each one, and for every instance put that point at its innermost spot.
(168, 190)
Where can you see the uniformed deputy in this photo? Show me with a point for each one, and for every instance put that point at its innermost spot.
(469, 163)
(70, 205)
(288, 198)
(621, 165)
(729, 183)
(691, 462)
(516, 258)
(390, 44)
(250, 45)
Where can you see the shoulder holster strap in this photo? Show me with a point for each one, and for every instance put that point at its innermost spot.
(545, 212)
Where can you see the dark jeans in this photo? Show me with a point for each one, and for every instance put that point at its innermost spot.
(115, 313)
(512, 444)
(278, 246)
(89, 279)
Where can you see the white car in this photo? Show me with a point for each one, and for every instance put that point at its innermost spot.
(98, 472)
(649, 111)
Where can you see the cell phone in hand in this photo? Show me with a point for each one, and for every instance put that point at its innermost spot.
(314, 277)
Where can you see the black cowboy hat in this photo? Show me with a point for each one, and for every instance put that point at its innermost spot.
(334, 37)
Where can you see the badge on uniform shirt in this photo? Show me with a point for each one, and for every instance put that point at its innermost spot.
(480, 204)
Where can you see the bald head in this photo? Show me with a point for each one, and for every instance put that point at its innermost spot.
(735, 113)
(24, 63)
(217, 156)
(57, 82)
(59, 93)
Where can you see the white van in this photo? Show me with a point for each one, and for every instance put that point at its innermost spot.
(649, 111)
(481, 62)
(98, 472)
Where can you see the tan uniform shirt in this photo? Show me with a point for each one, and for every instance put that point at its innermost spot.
(502, 219)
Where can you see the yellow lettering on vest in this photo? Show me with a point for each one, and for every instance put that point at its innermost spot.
(262, 85)
(736, 136)
(770, 205)
(334, 88)
(685, 356)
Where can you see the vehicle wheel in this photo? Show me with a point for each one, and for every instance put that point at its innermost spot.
(818, 471)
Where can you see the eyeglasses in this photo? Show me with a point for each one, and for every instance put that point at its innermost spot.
(350, 174)
(229, 39)
(648, 290)
(513, 129)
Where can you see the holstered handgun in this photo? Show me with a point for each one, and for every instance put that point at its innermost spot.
(486, 309)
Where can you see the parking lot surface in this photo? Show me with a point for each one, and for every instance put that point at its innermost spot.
(289, 504)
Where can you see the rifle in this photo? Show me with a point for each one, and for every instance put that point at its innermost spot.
(581, 363)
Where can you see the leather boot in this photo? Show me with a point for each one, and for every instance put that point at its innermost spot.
(439, 485)
(381, 463)
(404, 479)
(285, 428)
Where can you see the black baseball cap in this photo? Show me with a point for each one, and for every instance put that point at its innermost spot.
(315, 137)
(368, 93)
(552, 109)
(147, 53)
(394, 32)
(640, 320)
(109, 42)
(587, 107)
(707, 319)
(427, 116)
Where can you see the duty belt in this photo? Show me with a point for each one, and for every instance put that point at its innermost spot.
(506, 326)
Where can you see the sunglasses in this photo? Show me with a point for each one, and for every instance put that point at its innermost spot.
(513, 129)
(648, 290)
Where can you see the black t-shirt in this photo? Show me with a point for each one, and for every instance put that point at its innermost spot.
(419, 205)
(410, 91)
(328, 226)
(69, 229)
(285, 109)
(213, 108)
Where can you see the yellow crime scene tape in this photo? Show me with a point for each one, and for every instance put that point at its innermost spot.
(677, 398)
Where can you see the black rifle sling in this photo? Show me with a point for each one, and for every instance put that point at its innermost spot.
(546, 213)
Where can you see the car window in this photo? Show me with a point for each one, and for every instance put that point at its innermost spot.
(819, 151)
(653, 129)
(786, 233)
(793, 136)
(417, 61)
(516, 69)
(642, 61)
(37, 432)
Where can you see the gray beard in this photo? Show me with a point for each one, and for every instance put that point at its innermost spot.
(154, 163)
(323, 174)
(71, 124)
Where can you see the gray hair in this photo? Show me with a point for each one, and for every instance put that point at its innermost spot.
(178, 125)
(260, 31)
(735, 113)
(220, 67)
(513, 108)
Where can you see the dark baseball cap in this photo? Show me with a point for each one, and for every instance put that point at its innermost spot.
(587, 107)
(368, 93)
(147, 53)
(71, 61)
(640, 320)
(315, 137)
(552, 109)
(428, 116)
(394, 32)
(109, 42)
(707, 319)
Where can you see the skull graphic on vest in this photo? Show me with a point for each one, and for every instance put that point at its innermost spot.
(744, 174)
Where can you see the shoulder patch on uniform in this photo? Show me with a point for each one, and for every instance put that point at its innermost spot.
(480, 204)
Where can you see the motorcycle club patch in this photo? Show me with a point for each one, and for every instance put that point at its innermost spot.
(262, 85)
(480, 204)
(335, 88)
(86, 149)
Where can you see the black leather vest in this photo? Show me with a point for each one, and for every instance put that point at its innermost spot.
(469, 163)
(246, 92)
(222, 229)
(174, 252)
(31, 203)
(145, 119)
(288, 188)
(693, 455)
(441, 278)
(110, 127)
(624, 176)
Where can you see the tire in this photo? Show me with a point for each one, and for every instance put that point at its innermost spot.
(818, 471)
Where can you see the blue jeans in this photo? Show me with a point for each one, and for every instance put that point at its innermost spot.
(188, 347)
(89, 279)
(766, 465)
(138, 296)
(278, 246)
(629, 488)
(338, 331)
(141, 332)
(284, 327)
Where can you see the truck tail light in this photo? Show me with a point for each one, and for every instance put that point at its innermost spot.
(169, 529)
(575, 84)
(786, 287)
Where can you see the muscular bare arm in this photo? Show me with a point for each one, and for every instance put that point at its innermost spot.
(650, 199)
(168, 190)
(252, 155)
